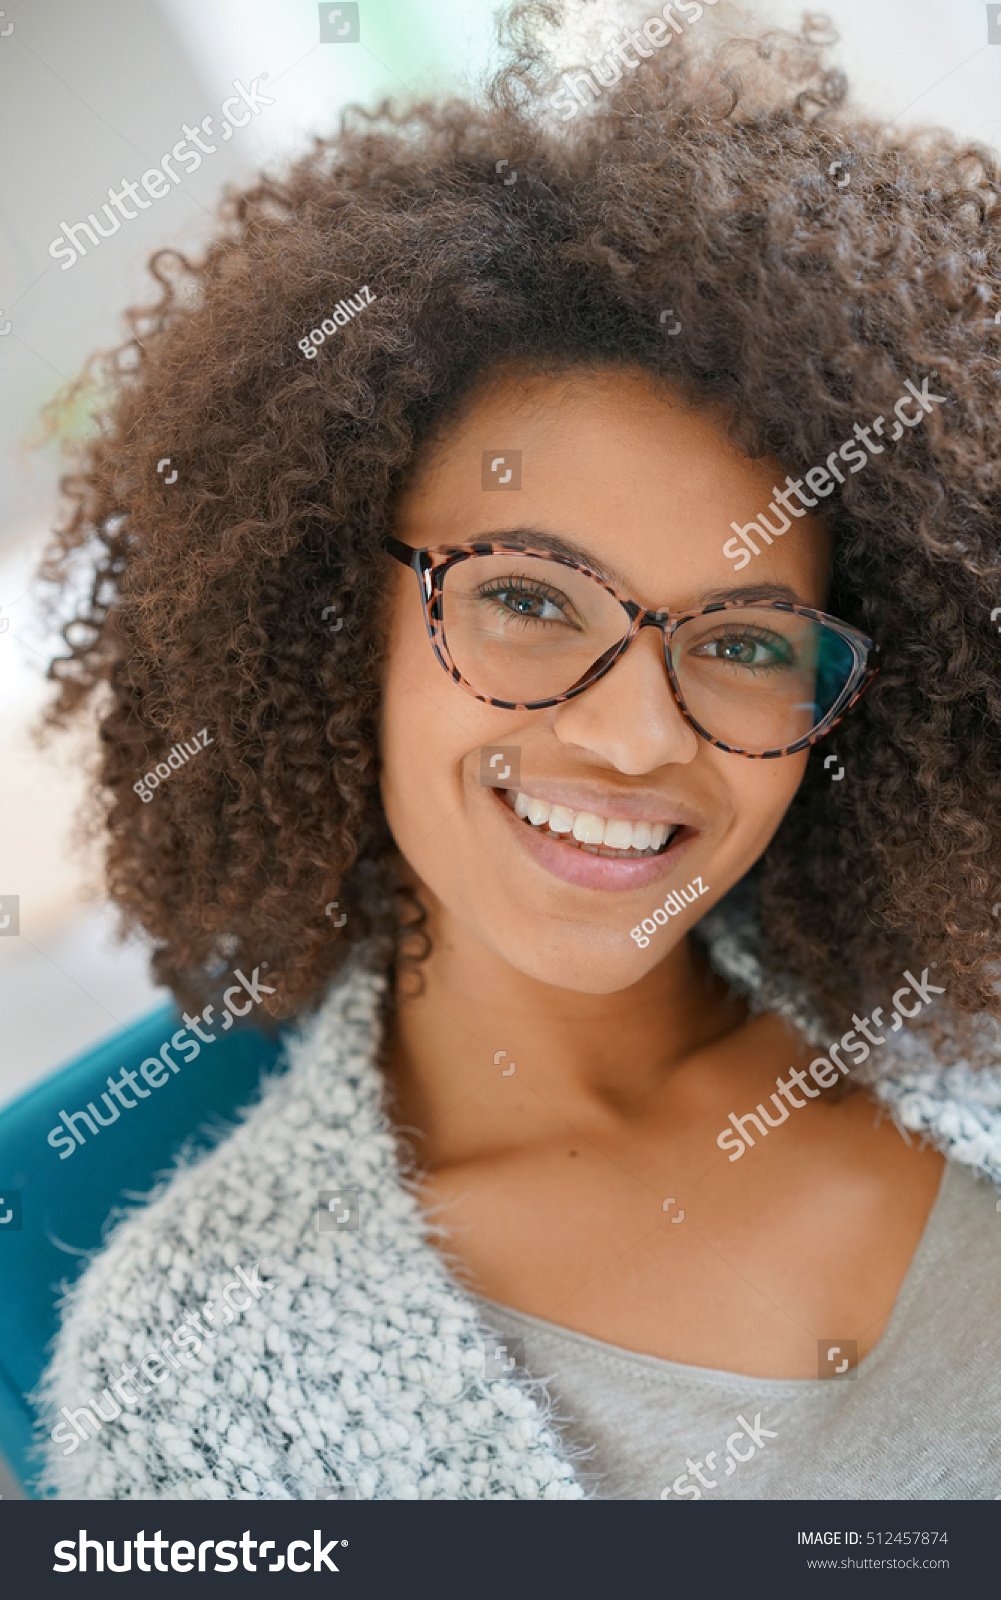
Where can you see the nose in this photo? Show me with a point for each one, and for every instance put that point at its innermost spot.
(629, 719)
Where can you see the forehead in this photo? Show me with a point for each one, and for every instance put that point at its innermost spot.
(621, 468)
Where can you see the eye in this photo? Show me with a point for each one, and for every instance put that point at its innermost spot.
(742, 646)
(528, 600)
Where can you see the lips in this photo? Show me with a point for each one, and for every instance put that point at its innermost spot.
(600, 866)
(589, 830)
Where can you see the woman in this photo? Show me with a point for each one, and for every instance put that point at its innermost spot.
(591, 629)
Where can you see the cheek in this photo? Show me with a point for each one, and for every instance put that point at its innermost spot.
(430, 733)
(417, 739)
(761, 794)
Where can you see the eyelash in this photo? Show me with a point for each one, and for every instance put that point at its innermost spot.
(735, 633)
(534, 589)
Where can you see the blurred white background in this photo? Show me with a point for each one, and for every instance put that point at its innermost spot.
(92, 94)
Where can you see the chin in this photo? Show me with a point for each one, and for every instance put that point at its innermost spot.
(601, 966)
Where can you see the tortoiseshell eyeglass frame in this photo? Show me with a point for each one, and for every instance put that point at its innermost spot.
(432, 564)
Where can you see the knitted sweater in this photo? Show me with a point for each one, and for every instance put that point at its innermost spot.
(345, 1362)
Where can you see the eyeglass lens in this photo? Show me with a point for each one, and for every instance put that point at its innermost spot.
(522, 628)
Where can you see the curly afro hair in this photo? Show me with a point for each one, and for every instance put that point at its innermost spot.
(245, 596)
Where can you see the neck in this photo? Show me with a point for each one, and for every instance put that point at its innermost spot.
(576, 1056)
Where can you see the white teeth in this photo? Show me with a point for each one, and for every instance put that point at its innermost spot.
(588, 827)
(592, 832)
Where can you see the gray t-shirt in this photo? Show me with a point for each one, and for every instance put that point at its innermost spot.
(918, 1419)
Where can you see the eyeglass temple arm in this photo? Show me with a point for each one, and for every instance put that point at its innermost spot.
(402, 552)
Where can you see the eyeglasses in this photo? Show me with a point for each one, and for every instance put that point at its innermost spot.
(523, 629)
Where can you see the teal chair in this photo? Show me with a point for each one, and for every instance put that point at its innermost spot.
(55, 1209)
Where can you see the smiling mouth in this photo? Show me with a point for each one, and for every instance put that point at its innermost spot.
(586, 830)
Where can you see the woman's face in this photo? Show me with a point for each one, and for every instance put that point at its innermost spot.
(647, 490)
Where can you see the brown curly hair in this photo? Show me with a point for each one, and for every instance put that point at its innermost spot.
(701, 183)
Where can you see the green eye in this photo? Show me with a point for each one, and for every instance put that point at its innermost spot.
(746, 647)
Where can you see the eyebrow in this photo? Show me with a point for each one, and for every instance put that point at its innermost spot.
(754, 594)
(556, 545)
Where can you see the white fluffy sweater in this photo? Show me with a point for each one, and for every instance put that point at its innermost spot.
(362, 1366)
